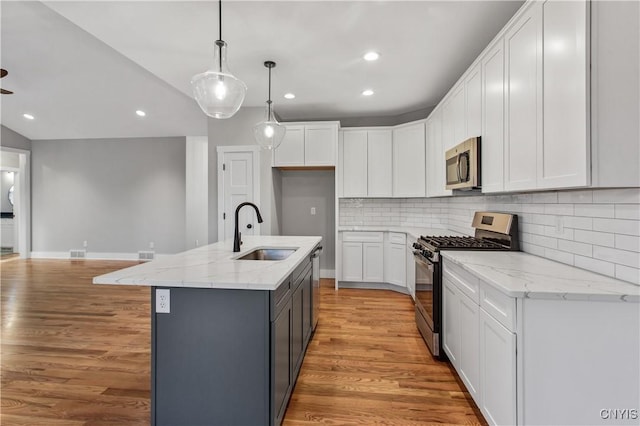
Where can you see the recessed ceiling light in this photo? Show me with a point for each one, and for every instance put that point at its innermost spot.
(28, 116)
(289, 96)
(367, 92)
(371, 56)
(141, 113)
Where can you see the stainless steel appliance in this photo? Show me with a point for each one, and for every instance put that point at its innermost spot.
(315, 285)
(493, 231)
(463, 165)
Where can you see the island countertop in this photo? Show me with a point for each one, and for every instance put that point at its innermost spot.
(216, 266)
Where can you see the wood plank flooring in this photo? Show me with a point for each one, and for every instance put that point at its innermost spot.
(74, 353)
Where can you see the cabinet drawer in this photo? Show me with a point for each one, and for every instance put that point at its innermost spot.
(466, 282)
(363, 237)
(397, 238)
(499, 306)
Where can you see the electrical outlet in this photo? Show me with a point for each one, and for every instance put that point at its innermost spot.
(152, 245)
(559, 224)
(313, 211)
(163, 301)
(84, 243)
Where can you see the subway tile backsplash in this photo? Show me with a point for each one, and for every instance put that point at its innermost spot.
(597, 229)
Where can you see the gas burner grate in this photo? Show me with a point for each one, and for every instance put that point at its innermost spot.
(449, 242)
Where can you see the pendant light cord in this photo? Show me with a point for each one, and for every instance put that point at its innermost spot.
(269, 101)
(220, 18)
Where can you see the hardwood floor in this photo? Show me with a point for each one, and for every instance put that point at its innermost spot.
(74, 353)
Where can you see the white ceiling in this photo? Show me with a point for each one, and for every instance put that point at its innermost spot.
(82, 68)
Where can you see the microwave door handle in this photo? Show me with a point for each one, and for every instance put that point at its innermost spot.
(458, 168)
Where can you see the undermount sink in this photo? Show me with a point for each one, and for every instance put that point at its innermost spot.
(268, 254)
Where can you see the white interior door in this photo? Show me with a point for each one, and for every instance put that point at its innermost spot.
(238, 172)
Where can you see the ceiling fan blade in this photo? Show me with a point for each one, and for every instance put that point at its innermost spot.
(3, 72)
(6, 92)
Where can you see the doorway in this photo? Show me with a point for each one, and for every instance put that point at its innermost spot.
(16, 205)
(238, 182)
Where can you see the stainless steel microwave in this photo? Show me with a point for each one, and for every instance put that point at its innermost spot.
(463, 165)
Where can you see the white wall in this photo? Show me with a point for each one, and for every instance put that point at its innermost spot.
(117, 194)
(238, 130)
(302, 190)
(597, 229)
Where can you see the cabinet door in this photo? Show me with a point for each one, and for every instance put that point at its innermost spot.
(351, 261)
(411, 270)
(459, 120)
(473, 102)
(281, 364)
(307, 289)
(497, 371)
(436, 181)
(395, 265)
(379, 163)
(320, 145)
(372, 262)
(291, 150)
(563, 156)
(409, 174)
(451, 321)
(354, 169)
(297, 333)
(492, 142)
(469, 357)
(523, 131)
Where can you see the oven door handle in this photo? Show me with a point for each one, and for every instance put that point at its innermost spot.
(423, 262)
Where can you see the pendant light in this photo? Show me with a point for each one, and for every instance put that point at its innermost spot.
(218, 92)
(269, 132)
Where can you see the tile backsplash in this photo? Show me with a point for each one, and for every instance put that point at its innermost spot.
(594, 229)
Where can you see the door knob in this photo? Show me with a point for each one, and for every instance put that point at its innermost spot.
(249, 226)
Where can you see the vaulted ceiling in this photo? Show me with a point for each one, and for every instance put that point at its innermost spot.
(83, 68)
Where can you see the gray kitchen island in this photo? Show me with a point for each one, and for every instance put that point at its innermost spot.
(228, 335)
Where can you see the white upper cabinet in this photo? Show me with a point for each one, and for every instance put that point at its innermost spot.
(366, 163)
(436, 181)
(563, 154)
(473, 102)
(409, 169)
(523, 68)
(354, 163)
(308, 145)
(454, 128)
(291, 149)
(492, 140)
(615, 93)
(320, 142)
(379, 163)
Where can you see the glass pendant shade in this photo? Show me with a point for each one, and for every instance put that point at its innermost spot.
(269, 133)
(218, 92)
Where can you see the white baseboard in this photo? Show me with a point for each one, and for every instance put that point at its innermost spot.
(373, 286)
(327, 273)
(90, 255)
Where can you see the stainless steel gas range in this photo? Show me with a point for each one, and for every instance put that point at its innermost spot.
(493, 231)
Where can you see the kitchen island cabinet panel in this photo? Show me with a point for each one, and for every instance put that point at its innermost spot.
(211, 352)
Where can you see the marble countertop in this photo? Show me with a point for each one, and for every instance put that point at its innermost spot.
(413, 232)
(215, 266)
(519, 274)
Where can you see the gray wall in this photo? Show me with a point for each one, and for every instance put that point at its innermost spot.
(302, 190)
(117, 194)
(238, 130)
(6, 182)
(11, 139)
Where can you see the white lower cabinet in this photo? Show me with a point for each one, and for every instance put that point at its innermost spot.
(362, 256)
(376, 257)
(498, 370)
(351, 261)
(372, 262)
(482, 350)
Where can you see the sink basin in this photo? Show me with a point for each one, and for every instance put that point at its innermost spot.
(268, 254)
